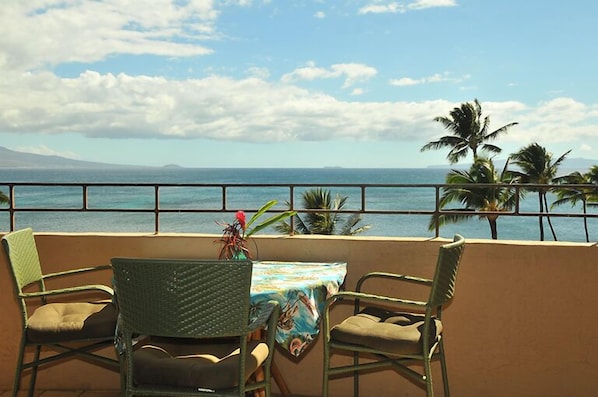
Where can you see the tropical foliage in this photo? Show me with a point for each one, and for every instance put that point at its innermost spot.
(330, 221)
(470, 189)
(233, 243)
(579, 194)
(4, 198)
(537, 166)
(470, 132)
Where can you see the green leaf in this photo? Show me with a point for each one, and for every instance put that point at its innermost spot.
(260, 212)
(273, 219)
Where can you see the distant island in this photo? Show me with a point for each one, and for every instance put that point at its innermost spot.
(13, 159)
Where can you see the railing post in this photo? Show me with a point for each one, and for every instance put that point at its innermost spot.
(292, 204)
(437, 212)
(11, 206)
(84, 197)
(156, 209)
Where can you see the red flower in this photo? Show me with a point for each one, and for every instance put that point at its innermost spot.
(240, 215)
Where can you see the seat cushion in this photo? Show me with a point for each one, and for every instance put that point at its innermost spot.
(60, 322)
(195, 365)
(394, 332)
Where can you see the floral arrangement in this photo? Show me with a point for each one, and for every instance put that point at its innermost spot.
(235, 235)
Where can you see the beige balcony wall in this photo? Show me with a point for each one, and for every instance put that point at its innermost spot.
(522, 322)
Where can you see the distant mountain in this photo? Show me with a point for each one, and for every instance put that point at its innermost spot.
(579, 164)
(13, 159)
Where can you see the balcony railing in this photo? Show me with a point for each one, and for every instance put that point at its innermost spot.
(157, 199)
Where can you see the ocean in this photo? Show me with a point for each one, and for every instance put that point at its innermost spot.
(210, 198)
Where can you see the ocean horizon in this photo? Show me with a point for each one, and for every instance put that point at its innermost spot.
(382, 198)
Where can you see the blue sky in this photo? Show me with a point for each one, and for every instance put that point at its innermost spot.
(292, 83)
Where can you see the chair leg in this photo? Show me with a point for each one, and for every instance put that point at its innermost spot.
(443, 367)
(19, 371)
(34, 368)
(355, 375)
(428, 373)
(325, 371)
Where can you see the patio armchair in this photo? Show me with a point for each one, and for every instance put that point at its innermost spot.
(186, 328)
(393, 332)
(57, 319)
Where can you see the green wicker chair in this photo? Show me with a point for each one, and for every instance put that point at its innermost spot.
(195, 319)
(389, 337)
(50, 317)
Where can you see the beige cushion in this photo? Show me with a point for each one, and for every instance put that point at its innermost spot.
(195, 365)
(394, 332)
(62, 322)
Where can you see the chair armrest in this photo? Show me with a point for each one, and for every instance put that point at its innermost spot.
(381, 299)
(69, 290)
(392, 276)
(76, 271)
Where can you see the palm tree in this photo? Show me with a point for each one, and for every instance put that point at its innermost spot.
(537, 167)
(470, 132)
(4, 198)
(480, 199)
(584, 195)
(325, 222)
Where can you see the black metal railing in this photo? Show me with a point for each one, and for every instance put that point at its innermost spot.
(61, 198)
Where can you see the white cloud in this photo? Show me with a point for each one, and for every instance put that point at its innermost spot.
(422, 4)
(436, 78)
(562, 121)
(393, 7)
(585, 148)
(254, 110)
(216, 107)
(352, 72)
(45, 32)
(262, 73)
(320, 15)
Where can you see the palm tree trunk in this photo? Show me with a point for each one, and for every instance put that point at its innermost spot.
(540, 220)
(493, 227)
(585, 221)
(548, 218)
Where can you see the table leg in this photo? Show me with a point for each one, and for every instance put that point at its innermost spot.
(278, 378)
(275, 372)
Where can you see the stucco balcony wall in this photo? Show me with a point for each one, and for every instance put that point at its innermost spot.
(522, 322)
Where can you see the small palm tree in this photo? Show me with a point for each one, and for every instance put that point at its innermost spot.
(585, 195)
(4, 198)
(326, 222)
(537, 167)
(470, 132)
(480, 199)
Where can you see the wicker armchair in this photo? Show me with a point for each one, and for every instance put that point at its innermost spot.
(195, 316)
(50, 317)
(385, 332)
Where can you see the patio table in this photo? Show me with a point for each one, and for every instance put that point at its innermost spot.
(301, 289)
